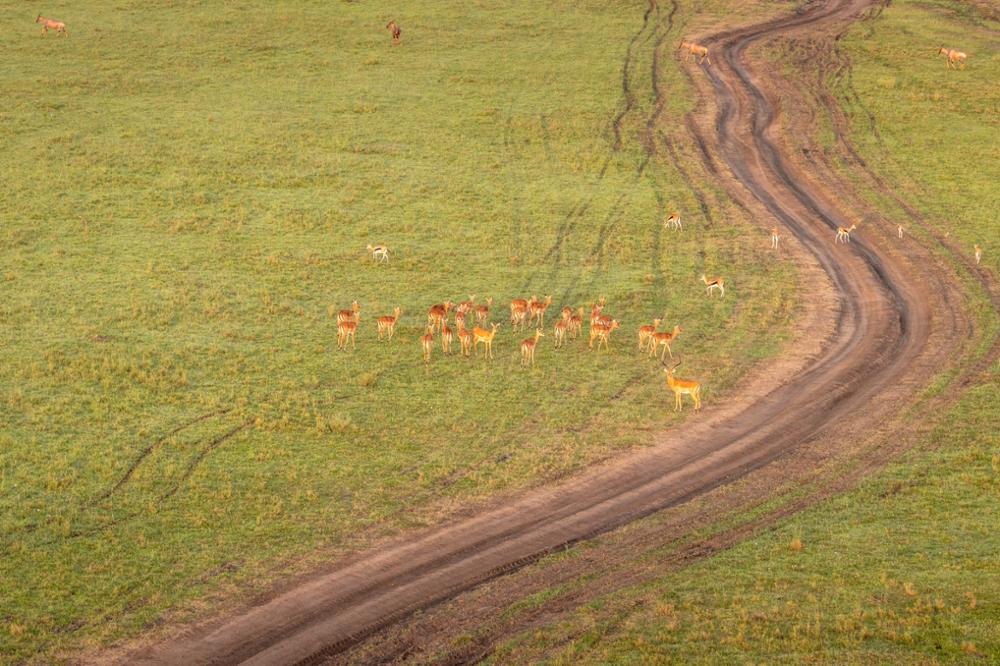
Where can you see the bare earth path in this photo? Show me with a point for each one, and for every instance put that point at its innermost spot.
(869, 346)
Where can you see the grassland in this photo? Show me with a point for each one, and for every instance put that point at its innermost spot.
(904, 569)
(188, 192)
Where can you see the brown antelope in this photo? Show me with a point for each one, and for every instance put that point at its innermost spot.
(345, 330)
(438, 314)
(354, 314)
(954, 58)
(774, 238)
(394, 31)
(446, 338)
(459, 320)
(486, 337)
(717, 283)
(528, 348)
(673, 221)
(518, 317)
(646, 333)
(52, 24)
(379, 252)
(601, 332)
(663, 339)
(559, 332)
(465, 340)
(844, 234)
(899, 230)
(427, 343)
(696, 50)
(595, 311)
(521, 304)
(566, 313)
(465, 307)
(387, 324)
(483, 311)
(979, 254)
(537, 310)
(681, 387)
(575, 323)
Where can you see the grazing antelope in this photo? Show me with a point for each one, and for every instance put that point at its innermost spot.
(387, 324)
(559, 332)
(717, 283)
(394, 30)
(899, 230)
(446, 338)
(601, 332)
(465, 307)
(427, 342)
(380, 252)
(681, 387)
(646, 332)
(528, 348)
(979, 254)
(483, 311)
(538, 309)
(486, 337)
(696, 50)
(52, 24)
(844, 234)
(465, 340)
(954, 58)
(354, 314)
(438, 314)
(663, 339)
(774, 238)
(575, 323)
(673, 221)
(345, 330)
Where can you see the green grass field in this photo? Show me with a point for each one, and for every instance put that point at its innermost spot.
(906, 568)
(188, 192)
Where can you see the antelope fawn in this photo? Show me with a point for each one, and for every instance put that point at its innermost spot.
(953, 57)
(354, 314)
(844, 234)
(646, 333)
(52, 24)
(465, 341)
(696, 50)
(486, 337)
(427, 343)
(601, 332)
(717, 283)
(559, 332)
(394, 30)
(774, 238)
(528, 348)
(673, 221)
(483, 311)
(379, 252)
(663, 340)
(979, 254)
(387, 324)
(446, 338)
(438, 314)
(345, 330)
(537, 310)
(681, 387)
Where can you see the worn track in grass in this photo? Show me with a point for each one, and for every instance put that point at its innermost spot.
(868, 346)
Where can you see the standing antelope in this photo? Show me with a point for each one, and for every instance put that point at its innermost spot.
(394, 31)
(438, 314)
(601, 332)
(696, 50)
(979, 254)
(518, 317)
(486, 337)
(681, 387)
(663, 340)
(387, 324)
(427, 342)
(446, 338)
(465, 307)
(566, 313)
(459, 320)
(899, 230)
(345, 330)
(673, 221)
(954, 57)
(844, 234)
(465, 341)
(52, 24)
(354, 314)
(528, 348)
(483, 311)
(774, 238)
(575, 323)
(538, 309)
(646, 333)
(717, 283)
(559, 332)
(379, 252)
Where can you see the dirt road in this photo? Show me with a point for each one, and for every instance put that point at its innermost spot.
(869, 345)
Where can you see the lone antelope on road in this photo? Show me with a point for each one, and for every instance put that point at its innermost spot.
(663, 340)
(486, 337)
(899, 230)
(774, 238)
(979, 254)
(395, 31)
(956, 59)
(345, 330)
(379, 252)
(696, 50)
(717, 283)
(387, 324)
(844, 234)
(681, 387)
(52, 24)
(528, 348)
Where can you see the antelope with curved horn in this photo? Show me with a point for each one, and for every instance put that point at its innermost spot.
(52, 24)
(844, 234)
(663, 339)
(956, 59)
(528, 348)
(682, 387)
(646, 333)
(379, 252)
(711, 285)
(483, 311)
(696, 50)
(387, 324)
(486, 337)
(601, 332)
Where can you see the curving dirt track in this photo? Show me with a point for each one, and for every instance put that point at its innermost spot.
(870, 345)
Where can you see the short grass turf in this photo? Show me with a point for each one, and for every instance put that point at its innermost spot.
(188, 192)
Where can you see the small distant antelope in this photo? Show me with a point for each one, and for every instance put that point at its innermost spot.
(465, 341)
(345, 330)
(459, 320)
(538, 309)
(566, 313)
(673, 221)
(954, 58)
(575, 323)
(595, 311)
(899, 230)
(979, 254)
(483, 311)
(559, 332)
(52, 24)
(601, 332)
(438, 314)
(486, 337)
(354, 314)
(518, 317)
(446, 338)
(774, 238)
(394, 31)
(717, 283)
(379, 252)
(681, 387)
(427, 343)
(528, 348)
(646, 332)
(387, 324)
(663, 340)
(465, 307)
(696, 50)
(844, 234)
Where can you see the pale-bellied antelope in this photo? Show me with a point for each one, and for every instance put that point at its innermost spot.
(528, 348)
(696, 50)
(953, 58)
(354, 314)
(379, 252)
(899, 230)
(518, 317)
(566, 313)
(345, 330)
(465, 307)
(394, 30)
(537, 310)
(575, 323)
(601, 332)
(663, 340)
(844, 234)
(559, 332)
(483, 311)
(717, 283)
(427, 343)
(446, 338)
(438, 314)
(774, 238)
(387, 324)
(646, 332)
(465, 341)
(52, 24)
(673, 221)
(979, 254)
(681, 387)
(486, 337)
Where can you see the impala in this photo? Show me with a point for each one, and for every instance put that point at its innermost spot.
(979, 254)
(483, 311)
(518, 317)
(345, 330)
(438, 314)
(663, 340)
(446, 338)
(387, 324)
(899, 230)
(681, 387)
(379, 252)
(774, 238)
(465, 307)
(673, 221)
(953, 57)
(601, 332)
(354, 314)
(566, 313)
(575, 323)
(394, 31)
(52, 24)
(465, 340)
(559, 332)
(537, 310)
(844, 234)
(717, 283)
(646, 332)
(427, 343)
(486, 337)
(528, 348)
(696, 50)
